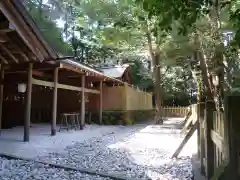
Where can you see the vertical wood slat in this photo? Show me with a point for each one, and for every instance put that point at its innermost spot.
(219, 128)
(1, 94)
(222, 134)
(215, 148)
(202, 138)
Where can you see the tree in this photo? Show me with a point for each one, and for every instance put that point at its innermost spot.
(218, 19)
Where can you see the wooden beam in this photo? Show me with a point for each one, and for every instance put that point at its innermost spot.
(83, 78)
(42, 83)
(1, 95)
(24, 31)
(18, 48)
(185, 140)
(9, 53)
(54, 110)
(35, 73)
(2, 39)
(100, 102)
(218, 140)
(36, 66)
(7, 30)
(71, 68)
(27, 120)
(187, 121)
(3, 59)
(63, 86)
(24, 56)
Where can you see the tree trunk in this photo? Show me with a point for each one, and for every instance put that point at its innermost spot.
(203, 66)
(157, 87)
(155, 57)
(217, 59)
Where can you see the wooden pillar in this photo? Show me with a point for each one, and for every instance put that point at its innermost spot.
(1, 95)
(83, 78)
(54, 109)
(100, 102)
(201, 107)
(28, 105)
(209, 145)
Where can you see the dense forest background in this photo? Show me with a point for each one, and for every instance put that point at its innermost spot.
(175, 49)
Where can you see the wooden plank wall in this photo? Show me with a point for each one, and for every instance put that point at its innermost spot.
(121, 98)
(137, 99)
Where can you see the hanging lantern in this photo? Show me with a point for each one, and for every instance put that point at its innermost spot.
(215, 80)
(22, 88)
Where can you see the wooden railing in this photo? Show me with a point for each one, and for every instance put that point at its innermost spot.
(218, 138)
(175, 111)
(217, 135)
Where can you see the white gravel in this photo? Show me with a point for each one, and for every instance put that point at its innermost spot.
(28, 170)
(133, 152)
(136, 152)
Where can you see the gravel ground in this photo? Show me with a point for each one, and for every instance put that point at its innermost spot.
(26, 170)
(133, 152)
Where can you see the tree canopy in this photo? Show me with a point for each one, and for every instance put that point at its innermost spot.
(172, 45)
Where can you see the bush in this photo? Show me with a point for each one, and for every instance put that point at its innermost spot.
(128, 121)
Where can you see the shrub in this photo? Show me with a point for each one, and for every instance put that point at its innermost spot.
(128, 121)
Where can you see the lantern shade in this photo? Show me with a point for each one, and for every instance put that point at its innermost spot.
(215, 80)
(22, 88)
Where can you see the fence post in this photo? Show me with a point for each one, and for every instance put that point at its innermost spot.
(209, 145)
(201, 107)
(233, 103)
(226, 130)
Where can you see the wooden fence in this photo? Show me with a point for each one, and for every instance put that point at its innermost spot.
(175, 111)
(217, 135)
(218, 138)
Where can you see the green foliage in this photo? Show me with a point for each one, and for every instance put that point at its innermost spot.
(128, 121)
(98, 30)
(49, 29)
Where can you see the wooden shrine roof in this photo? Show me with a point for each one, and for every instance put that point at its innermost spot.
(90, 72)
(20, 39)
(116, 71)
